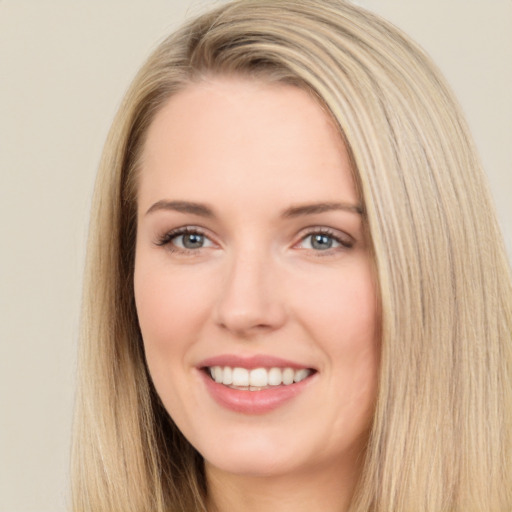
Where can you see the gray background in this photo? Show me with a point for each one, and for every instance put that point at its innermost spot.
(64, 66)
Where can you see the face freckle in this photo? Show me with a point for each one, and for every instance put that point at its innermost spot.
(251, 255)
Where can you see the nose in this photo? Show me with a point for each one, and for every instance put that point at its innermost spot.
(250, 299)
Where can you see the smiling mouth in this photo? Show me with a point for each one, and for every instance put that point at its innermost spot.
(256, 379)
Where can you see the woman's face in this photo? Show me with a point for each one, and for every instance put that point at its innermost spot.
(252, 266)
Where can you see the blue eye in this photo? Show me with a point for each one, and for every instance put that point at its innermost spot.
(185, 239)
(323, 241)
(189, 241)
(320, 242)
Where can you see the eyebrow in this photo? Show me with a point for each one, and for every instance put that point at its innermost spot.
(294, 211)
(182, 206)
(313, 208)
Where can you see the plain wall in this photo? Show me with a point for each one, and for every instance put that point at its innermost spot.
(64, 66)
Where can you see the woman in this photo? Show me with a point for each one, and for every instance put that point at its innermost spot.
(297, 294)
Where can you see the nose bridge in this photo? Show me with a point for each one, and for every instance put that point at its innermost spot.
(249, 300)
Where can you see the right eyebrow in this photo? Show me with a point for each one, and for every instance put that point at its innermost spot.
(314, 208)
(183, 207)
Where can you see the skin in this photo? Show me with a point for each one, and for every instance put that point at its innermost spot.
(249, 151)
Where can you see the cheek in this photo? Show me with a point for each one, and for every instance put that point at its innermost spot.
(155, 308)
(342, 309)
(342, 316)
(171, 306)
(357, 330)
(168, 302)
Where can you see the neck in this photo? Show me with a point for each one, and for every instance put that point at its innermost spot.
(319, 489)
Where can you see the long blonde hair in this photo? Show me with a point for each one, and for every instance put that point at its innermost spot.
(441, 438)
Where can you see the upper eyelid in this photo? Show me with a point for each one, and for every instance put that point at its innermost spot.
(324, 230)
(168, 235)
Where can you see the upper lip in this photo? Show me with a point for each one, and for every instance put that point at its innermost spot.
(251, 362)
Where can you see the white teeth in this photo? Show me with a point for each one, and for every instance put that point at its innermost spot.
(228, 376)
(275, 376)
(258, 377)
(300, 375)
(217, 373)
(240, 377)
(288, 374)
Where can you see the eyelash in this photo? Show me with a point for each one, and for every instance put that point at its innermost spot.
(345, 242)
(167, 239)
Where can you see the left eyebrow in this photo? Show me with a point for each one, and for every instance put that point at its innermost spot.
(182, 206)
(313, 208)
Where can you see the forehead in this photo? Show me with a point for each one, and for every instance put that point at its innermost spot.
(245, 138)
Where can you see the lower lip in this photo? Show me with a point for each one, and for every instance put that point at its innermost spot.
(254, 402)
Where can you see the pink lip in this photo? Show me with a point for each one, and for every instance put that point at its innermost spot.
(250, 362)
(252, 402)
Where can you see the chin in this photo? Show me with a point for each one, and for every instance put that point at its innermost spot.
(256, 457)
(248, 465)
